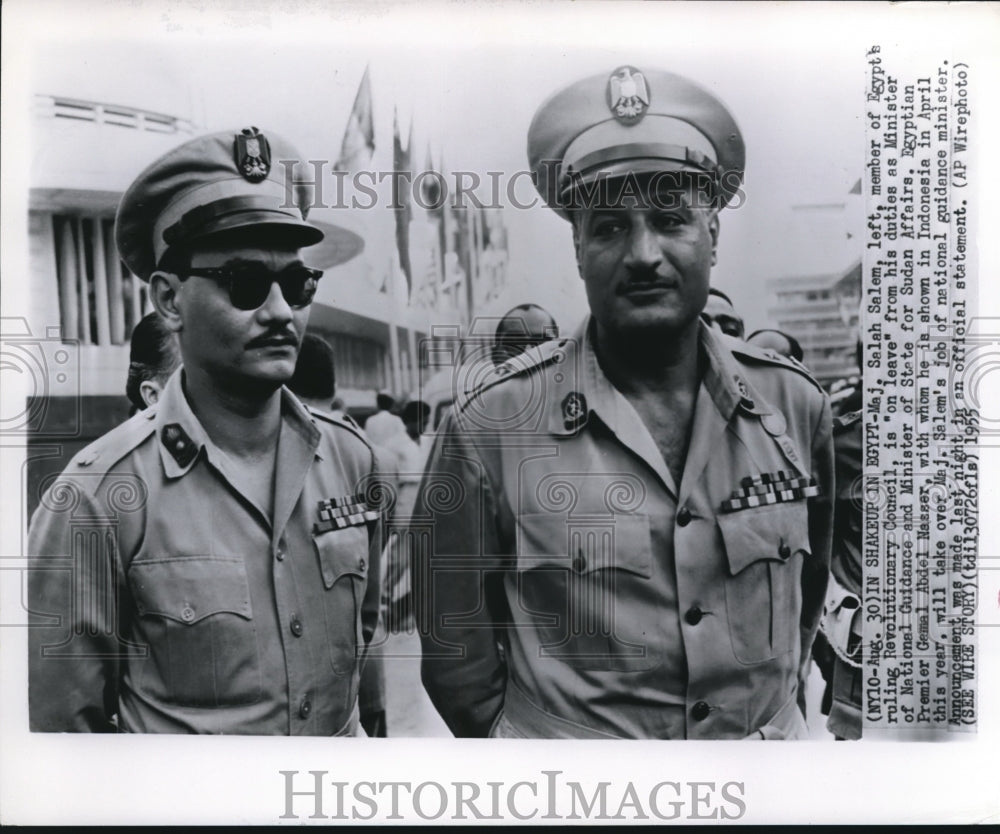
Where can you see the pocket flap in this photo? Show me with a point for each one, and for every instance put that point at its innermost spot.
(548, 540)
(342, 552)
(775, 533)
(189, 588)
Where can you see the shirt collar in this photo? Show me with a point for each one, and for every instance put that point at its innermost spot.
(182, 438)
(724, 377)
(581, 388)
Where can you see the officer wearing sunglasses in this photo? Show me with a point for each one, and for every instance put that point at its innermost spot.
(226, 576)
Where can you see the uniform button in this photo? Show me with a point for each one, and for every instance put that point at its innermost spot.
(700, 711)
(694, 615)
(784, 551)
(362, 564)
(305, 708)
(683, 517)
(579, 563)
(280, 554)
(296, 626)
(188, 613)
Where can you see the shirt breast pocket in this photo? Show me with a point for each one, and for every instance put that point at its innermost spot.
(764, 550)
(343, 562)
(196, 616)
(573, 585)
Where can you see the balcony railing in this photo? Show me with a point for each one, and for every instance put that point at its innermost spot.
(132, 118)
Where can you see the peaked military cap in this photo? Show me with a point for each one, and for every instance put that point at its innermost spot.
(213, 183)
(632, 120)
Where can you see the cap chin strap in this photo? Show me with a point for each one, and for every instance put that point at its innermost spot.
(197, 206)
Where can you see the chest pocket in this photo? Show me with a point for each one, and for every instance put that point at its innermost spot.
(765, 547)
(343, 562)
(573, 587)
(196, 618)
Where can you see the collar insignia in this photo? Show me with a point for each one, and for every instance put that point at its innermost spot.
(181, 447)
(574, 410)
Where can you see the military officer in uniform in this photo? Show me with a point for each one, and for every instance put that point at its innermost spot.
(211, 565)
(627, 532)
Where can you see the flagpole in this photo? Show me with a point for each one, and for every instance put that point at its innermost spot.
(393, 336)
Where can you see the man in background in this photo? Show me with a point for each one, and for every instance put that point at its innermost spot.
(153, 357)
(720, 313)
(522, 327)
(778, 341)
(384, 425)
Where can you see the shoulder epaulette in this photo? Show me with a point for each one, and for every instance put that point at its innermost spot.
(772, 357)
(110, 448)
(530, 361)
(340, 422)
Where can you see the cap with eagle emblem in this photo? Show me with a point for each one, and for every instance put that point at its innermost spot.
(632, 121)
(213, 183)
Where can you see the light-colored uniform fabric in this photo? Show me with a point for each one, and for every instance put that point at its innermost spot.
(569, 582)
(162, 595)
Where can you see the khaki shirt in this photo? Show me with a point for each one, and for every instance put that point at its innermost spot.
(164, 600)
(569, 586)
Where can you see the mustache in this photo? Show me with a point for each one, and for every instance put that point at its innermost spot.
(272, 338)
(643, 276)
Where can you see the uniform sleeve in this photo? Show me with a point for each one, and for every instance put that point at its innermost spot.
(816, 571)
(73, 614)
(458, 585)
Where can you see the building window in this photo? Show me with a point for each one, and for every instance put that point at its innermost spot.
(99, 300)
(359, 363)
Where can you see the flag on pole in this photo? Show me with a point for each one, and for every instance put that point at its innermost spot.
(401, 198)
(359, 135)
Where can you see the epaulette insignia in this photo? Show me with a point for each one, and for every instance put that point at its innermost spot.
(345, 422)
(110, 448)
(774, 358)
(527, 362)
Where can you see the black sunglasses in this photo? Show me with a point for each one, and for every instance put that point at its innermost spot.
(249, 283)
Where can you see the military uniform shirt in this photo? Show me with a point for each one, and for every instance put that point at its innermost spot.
(164, 600)
(568, 587)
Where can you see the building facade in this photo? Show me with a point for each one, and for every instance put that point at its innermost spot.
(822, 313)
